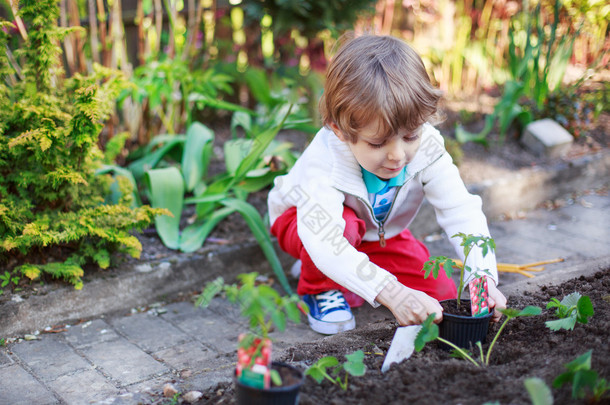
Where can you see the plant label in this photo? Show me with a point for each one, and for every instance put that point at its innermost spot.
(479, 305)
(254, 361)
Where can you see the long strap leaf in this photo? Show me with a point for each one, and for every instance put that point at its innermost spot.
(194, 235)
(194, 161)
(167, 191)
(257, 226)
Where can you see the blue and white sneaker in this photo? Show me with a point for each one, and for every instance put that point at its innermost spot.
(329, 313)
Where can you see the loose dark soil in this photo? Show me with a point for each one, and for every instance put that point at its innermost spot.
(525, 349)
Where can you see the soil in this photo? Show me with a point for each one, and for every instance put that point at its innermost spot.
(526, 348)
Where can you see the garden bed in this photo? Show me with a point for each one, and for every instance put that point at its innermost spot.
(525, 349)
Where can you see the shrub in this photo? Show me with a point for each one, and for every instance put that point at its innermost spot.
(53, 216)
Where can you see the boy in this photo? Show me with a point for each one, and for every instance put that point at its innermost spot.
(344, 208)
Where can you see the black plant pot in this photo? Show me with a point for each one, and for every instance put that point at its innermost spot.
(284, 395)
(463, 331)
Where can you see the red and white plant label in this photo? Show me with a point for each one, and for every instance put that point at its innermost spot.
(479, 305)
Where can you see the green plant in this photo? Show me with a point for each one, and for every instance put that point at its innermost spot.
(537, 59)
(581, 377)
(8, 278)
(175, 92)
(429, 332)
(469, 242)
(571, 309)
(352, 366)
(264, 308)
(309, 17)
(53, 215)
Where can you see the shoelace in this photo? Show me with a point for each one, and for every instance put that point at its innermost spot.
(330, 299)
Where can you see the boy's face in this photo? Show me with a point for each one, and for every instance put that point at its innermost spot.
(383, 158)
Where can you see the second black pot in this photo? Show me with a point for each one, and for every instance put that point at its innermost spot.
(284, 395)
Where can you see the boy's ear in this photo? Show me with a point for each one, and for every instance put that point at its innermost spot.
(337, 132)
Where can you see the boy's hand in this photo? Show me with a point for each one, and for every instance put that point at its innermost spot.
(496, 300)
(409, 306)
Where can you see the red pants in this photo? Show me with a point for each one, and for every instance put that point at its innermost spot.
(403, 256)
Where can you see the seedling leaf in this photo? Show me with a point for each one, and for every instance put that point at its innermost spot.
(565, 323)
(354, 364)
(584, 309)
(539, 392)
(427, 333)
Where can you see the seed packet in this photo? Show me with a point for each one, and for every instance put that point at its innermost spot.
(253, 361)
(479, 305)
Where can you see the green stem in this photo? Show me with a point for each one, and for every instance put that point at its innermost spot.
(462, 352)
(494, 341)
(461, 286)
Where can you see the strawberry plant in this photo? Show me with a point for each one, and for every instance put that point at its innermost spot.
(581, 377)
(352, 366)
(429, 332)
(571, 309)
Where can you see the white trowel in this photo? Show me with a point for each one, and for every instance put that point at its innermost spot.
(402, 345)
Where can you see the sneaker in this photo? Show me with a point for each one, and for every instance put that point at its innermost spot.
(329, 312)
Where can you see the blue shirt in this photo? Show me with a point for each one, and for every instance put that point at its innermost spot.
(382, 192)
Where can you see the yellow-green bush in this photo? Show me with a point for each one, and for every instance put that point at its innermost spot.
(53, 216)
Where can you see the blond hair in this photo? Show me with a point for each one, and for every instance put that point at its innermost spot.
(377, 78)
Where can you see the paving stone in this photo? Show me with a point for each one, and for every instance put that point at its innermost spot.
(180, 310)
(83, 387)
(189, 356)
(547, 137)
(89, 333)
(123, 361)
(24, 389)
(150, 332)
(50, 357)
(212, 330)
(203, 381)
(5, 359)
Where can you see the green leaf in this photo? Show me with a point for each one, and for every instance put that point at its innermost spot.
(211, 289)
(563, 323)
(258, 229)
(194, 235)
(354, 364)
(582, 380)
(194, 159)
(427, 333)
(585, 309)
(167, 191)
(582, 362)
(571, 300)
(530, 310)
(150, 160)
(539, 392)
(318, 372)
(241, 119)
(275, 377)
(235, 151)
(261, 142)
(293, 312)
(259, 86)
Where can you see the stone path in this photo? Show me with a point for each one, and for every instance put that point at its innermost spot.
(127, 358)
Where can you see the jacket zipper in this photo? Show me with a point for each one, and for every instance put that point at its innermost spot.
(380, 224)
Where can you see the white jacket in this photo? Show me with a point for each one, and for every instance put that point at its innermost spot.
(327, 176)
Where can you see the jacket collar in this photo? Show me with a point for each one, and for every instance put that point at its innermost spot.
(347, 176)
